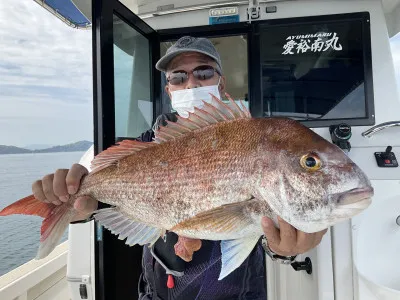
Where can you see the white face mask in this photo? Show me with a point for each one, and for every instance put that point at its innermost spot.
(184, 101)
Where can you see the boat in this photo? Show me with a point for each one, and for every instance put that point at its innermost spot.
(326, 63)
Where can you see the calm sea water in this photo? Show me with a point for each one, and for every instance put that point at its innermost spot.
(19, 235)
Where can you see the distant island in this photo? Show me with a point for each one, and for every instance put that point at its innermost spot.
(78, 146)
(38, 146)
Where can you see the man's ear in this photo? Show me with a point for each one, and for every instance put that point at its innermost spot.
(222, 85)
(168, 92)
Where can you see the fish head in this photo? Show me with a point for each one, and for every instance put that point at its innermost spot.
(312, 184)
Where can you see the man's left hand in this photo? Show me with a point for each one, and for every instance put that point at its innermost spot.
(287, 240)
(185, 247)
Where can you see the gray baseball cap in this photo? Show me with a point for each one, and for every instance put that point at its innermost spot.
(189, 44)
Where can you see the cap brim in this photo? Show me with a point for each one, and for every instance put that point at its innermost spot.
(162, 64)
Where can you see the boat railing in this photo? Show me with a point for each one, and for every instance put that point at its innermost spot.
(38, 279)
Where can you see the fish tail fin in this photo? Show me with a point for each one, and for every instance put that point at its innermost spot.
(56, 220)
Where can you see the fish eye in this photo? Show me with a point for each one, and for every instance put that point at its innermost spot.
(310, 162)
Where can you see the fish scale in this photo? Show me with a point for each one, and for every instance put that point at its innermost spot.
(213, 176)
(183, 178)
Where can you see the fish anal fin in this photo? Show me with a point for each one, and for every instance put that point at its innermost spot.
(123, 226)
(113, 154)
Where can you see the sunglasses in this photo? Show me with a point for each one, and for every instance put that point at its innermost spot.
(200, 73)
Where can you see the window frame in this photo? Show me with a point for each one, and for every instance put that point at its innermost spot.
(253, 31)
(364, 17)
(116, 265)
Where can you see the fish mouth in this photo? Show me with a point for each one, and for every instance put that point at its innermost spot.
(349, 204)
(356, 196)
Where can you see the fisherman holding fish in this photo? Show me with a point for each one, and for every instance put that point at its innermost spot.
(233, 266)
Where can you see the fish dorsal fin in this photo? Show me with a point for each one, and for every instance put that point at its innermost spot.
(211, 113)
(113, 154)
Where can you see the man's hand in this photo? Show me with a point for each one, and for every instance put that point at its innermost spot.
(56, 188)
(288, 241)
(185, 247)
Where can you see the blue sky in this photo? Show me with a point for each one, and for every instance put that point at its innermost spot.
(46, 77)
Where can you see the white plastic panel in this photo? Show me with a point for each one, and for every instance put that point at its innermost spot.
(284, 283)
(365, 159)
(80, 266)
(388, 191)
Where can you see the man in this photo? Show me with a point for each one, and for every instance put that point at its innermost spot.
(193, 70)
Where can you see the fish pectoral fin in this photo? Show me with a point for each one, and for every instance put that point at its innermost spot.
(123, 226)
(224, 218)
(234, 252)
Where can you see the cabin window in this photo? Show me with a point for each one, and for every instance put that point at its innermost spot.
(233, 52)
(313, 71)
(133, 105)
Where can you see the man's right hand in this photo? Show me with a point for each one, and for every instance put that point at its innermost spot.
(56, 188)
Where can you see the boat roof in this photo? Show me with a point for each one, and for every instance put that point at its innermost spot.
(78, 13)
(66, 11)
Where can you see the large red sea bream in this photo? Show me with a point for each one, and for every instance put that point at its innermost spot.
(214, 176)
